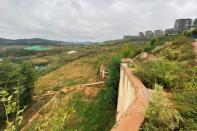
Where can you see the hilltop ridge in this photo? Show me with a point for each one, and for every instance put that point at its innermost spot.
(37, 41)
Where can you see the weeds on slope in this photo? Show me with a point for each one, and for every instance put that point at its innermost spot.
(175, 70)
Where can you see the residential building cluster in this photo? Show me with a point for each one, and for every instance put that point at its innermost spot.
(179, 26)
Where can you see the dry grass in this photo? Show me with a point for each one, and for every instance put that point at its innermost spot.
(76, 72)
(39, 60)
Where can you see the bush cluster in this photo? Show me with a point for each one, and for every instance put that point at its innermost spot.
(174, 70)
(162, 71)
(22, 76)
(180, 50)
(190, 33)
(186, 104)
(113, 80)
(170, 54)
(161, 113)
(129, 51)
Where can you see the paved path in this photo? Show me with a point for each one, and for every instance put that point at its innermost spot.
(195, 49)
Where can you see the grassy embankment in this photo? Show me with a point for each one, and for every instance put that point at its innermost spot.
(174, 69)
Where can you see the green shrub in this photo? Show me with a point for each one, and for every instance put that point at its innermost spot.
(126, 51)
(26, 92)
(170, 54)
(187, 33)
(180, 50)
(191, 81)
(150, 46)
(172, 71)
(158, 42)
(12, 75)
(187, 52)
(161, 71)
(131, 50)
(9, 75)
(182, 40)
(136, 52)
(11, 109)
(194, 32)
(161, 113)
(113, 80)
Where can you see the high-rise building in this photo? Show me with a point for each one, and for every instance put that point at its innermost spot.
(158, 33)
(195, 22)
(182, 24)
(149, 34)
(141, 34)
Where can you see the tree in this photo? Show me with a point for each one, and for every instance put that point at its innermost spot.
(26, 91)
(11, 107)
(9, 75)
(113, 80)
(9, 78)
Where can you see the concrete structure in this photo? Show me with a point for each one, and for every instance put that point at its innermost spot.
(126, 94)
(182, 24)
(133, 97)
(71, 52)
(141, 34)
(149, 34)
(158, 33)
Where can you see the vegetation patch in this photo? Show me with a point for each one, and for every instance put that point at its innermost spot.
(161, 113)
(175, 70)
(161, 71)
(68, 75)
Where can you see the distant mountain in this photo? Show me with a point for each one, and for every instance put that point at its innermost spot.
(2, 40)
(34, 41)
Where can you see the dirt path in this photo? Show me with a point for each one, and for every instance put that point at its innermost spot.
(195, 49)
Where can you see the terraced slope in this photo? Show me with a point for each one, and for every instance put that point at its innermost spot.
(77, 72)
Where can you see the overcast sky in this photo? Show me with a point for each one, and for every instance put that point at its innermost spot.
(89, 20)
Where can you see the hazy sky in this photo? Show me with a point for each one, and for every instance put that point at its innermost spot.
(84, 20)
